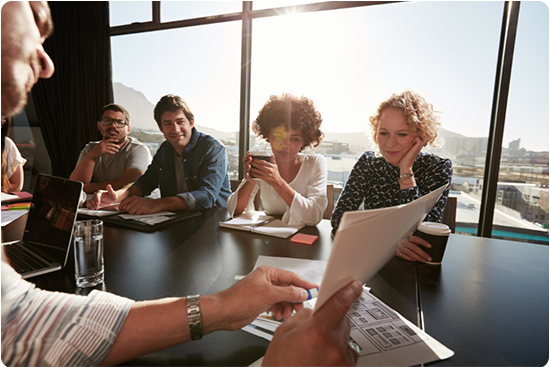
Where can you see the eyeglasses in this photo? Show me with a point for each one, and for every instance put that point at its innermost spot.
(108, 122)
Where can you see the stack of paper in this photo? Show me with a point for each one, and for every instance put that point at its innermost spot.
(151, 219)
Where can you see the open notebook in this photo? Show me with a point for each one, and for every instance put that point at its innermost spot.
(261, 223)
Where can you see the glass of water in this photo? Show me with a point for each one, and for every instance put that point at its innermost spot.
(88, 252)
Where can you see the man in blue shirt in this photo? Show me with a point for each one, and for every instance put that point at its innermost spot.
(190, 168)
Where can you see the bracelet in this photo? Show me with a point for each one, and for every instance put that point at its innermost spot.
(194, 317)
(404, 175)
(281, 189)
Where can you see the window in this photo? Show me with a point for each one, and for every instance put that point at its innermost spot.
(127, 12)
(524, 162)
(348, 61)
(178, 10)
(200, 64)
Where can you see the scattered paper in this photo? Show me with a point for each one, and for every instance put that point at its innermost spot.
(9, 216)
(96, 213)
(310, 270)
(141, 216)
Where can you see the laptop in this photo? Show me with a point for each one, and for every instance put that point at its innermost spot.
(49, 229)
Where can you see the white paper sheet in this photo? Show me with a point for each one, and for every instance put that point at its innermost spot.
(310, 270)
(9, 216)
(97, 213)
(367, 240)
(141, 216)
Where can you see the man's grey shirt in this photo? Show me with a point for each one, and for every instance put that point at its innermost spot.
(133, 154)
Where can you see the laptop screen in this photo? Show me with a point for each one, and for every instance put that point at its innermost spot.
(53, 210)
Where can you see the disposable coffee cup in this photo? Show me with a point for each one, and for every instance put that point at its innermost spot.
(437, 234)
(261, 155)
(88, 253)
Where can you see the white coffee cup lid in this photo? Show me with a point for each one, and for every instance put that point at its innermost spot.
(263, 153)
(436, 229)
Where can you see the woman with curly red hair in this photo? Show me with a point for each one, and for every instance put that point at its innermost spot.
(291, 184)
(401, 127)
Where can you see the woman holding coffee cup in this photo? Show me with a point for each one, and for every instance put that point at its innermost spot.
(401, 127)
(291, 184)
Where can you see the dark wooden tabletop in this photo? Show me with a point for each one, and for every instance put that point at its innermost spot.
(488, 302)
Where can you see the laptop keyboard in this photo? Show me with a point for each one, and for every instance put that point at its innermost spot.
(22, 261)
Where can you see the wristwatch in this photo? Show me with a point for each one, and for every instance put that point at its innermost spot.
(194, 317)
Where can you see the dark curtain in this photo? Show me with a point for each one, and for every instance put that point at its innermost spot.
(68, 104)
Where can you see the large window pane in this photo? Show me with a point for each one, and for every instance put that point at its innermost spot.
(200, 64)
(266, 4)
(128, 12)
(348, 61)
(522, 196)
(178, 10)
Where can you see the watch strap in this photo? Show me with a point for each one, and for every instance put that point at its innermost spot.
(194, 317)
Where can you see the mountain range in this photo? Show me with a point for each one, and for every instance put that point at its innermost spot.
(141, 117)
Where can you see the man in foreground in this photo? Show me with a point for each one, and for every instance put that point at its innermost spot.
(117, 159)
(50, 328)
(190, 168)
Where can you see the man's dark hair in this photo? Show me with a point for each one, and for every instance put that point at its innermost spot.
(117, 108)
(172, 103)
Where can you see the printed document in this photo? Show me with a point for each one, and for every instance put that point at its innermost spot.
(385, 338)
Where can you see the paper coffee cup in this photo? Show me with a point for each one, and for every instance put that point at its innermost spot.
(437, 234)
(263, 155)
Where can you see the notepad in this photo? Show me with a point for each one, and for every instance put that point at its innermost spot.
(263, 224)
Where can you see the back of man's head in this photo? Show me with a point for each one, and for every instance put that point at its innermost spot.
(117, 108)
(172, 103)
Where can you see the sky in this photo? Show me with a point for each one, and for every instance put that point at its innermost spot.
(347, 61)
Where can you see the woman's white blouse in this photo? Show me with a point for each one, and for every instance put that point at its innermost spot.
(310, 198)
(12, 157)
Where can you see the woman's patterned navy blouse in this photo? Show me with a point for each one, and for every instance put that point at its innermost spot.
(374, 181)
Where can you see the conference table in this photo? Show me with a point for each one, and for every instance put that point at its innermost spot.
(488, 302)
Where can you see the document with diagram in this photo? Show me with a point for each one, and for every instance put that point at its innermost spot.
(385, 338)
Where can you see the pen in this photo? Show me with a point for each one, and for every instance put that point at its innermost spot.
(312, 293)
(259, 224)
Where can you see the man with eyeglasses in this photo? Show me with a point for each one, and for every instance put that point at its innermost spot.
(117, 159)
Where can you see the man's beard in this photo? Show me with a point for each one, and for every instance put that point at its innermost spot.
(14, 98)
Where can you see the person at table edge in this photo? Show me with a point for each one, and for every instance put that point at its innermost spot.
(190, 167)
(42, 328)
(401, 127)
(13, 176)
(117, 159)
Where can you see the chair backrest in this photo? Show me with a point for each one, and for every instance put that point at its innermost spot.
(449, 214)
(330, 205)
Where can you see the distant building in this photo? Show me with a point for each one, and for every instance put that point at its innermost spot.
(514, 145)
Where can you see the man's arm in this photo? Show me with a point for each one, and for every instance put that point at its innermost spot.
(129, 176)
(84, 169)
(155, 325)
(213, 172)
